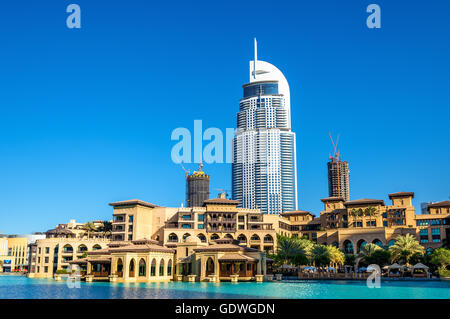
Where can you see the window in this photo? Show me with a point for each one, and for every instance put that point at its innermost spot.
(423, 235)
(47, 250)
(130, 218)
(130, 237)
(384, 215)
(201, 226)
(240, 226)
(186, 226)
(46, 260)
(436, 235)
(241, 219)
(385, 223)
(201, 217)
(46, 269)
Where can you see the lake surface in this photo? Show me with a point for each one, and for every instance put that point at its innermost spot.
(13, 287)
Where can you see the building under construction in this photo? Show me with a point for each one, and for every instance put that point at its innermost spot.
(338, 175)
(338, 179)
(197, 187)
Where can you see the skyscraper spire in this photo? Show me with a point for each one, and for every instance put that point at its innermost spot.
(256, 59)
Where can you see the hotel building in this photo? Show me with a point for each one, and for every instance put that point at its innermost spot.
(349, 225)
(264, 168)
(62, 244)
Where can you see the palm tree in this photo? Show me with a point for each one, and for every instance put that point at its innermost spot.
(320, 255)
(106, 228)
(405, 247)
(371, 212)
(89, 227)
(354, 214)
(368, 250)
(337, 257)
(291, 250)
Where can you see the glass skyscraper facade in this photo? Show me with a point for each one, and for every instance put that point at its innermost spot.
(264, 171)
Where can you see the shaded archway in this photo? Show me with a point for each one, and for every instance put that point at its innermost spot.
(131, 268)
(153, 268)
(228, 236)
(335, 244)
(161, 267)
(173, 238)
(169, 268)
(186, 236)
(391, 242)
(361, 243)
(82, 248)
(214, 237)
(142, 267)
(378, 242)
(67, 249)
(119, 271)
(348, 247)
(268, 239)
(209, 267)
(202, 238)
(96, 247)
(242, 239)
(255, 238)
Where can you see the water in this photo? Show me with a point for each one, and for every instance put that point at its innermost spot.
(12, 287)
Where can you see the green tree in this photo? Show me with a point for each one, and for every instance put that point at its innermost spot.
(350, 259)
(404, 248)
(370, 212)
(440, 257)
(106, 228)
(320, 255)
(89, 227)
(380, 257)
(337, 257)
(291, 250)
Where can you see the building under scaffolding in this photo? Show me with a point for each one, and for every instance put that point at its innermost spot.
(197, 187)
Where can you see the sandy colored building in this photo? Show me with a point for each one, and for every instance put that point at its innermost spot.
(218, 218)
(62, 244)
(352, 224)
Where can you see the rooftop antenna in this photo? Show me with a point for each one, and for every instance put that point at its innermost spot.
(335, 157)
(256, 59)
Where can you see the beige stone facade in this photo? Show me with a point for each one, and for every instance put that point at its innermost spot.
(350, 225)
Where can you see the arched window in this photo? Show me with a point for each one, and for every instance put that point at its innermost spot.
(268, 239)
(67, 249)
(209, 266)
(173, 238)
(348, 247)
(96, 247)
(119, 268)
(131, 268)
(169, 268)
(82, 248)
(335, 244)
(255, 237)
(242, 239)
(202, 238)
(161, 267)
(378, 242)
(153, 269)
(214, 236)
(142, 267)
(361, 244)
(229, 236)
(186, 236)
(391, 242)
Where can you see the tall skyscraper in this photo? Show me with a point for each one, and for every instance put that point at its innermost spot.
(264, 169)
(338, 179)
(197, 187)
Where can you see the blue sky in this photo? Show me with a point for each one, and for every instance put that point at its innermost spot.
(86, 115)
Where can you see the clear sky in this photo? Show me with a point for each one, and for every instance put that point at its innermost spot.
(86, 115)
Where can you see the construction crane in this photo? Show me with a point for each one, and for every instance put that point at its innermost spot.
(223, 191)
(335, 158)
(185, 170)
